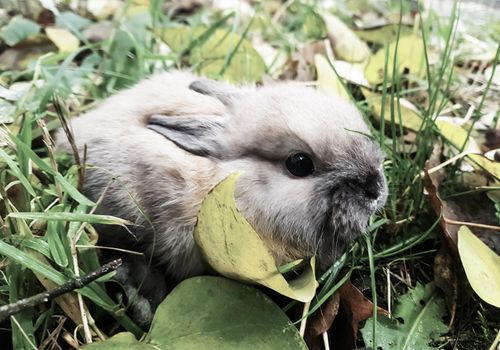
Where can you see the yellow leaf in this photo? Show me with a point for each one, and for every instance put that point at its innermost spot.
(456, 135)
(479, 161)
(410, 117)
(346, 45)
(328, 81)
(383, 34)
(209, 56)
(232, 248)
(409, 55)
(482, 266)
(63, 39)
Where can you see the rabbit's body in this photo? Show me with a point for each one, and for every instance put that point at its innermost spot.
(309, 180)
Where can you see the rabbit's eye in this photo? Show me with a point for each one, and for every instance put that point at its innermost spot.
(299, 164)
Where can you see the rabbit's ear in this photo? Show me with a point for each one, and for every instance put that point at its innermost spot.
(220, 90)
(198, 134)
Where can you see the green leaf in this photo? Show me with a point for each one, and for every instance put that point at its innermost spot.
(232, 248)
(18, 29)
(409, 56)
(214, 313)
(417, 320)
(481, 265)
(313, 25)
(70, 20)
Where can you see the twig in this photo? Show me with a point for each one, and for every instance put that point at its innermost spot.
(471, 224)
(11, 309)
(81, 304)
(326, 343)
(304, 319)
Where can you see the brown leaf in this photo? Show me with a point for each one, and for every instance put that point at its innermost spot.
(446, 278)
(448, 272)
(46, 18)
(321, 322)
(341, 315)
(492, 139)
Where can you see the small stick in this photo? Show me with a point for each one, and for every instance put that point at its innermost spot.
(20, 305)
(471, 224)
(304, 319)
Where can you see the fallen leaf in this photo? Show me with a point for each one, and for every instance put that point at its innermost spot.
(446, 278)
(383, 34)
(456, 135)
(213, 56)
(71, 21)
(18, 29)
(210, 312)
(417, 320)
(20, 56)
(232, 248)
(495, 77)
(63, 39)
(340, 316)
(410, 118)
(409, 56)
(354, 309)
(492, 137)
(327, 79)
(346, 45)
(482, 266)
(321, 321)
(480, 162)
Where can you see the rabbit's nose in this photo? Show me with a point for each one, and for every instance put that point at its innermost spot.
(372, 186)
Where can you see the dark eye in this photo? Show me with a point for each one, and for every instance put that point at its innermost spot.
(299, 164)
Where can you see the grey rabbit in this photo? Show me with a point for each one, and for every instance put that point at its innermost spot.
(310, 175)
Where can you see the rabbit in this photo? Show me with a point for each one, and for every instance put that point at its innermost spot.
(310, 174)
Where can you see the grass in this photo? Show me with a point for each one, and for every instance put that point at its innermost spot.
(46, 220)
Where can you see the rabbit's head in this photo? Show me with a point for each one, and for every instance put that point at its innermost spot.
(310, 174)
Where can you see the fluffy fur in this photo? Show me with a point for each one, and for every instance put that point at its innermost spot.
(161, 145)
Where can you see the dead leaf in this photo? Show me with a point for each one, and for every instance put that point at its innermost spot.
(475, 208)
(409, 56)
(492, 137)
(354, 308)
(340, 316)
(346, 45)
(19, 56)
(446, 278)
(63, 39)
(327, 79)
(321, 321)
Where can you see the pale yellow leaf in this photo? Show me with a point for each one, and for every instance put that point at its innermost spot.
(328, 81)
(409, 117)
(232, 248)
(481, 265)
(63, 39)
(409, 56)
(346, 45)
(456, 135)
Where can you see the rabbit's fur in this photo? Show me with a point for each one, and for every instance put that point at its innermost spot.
(168, 140)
